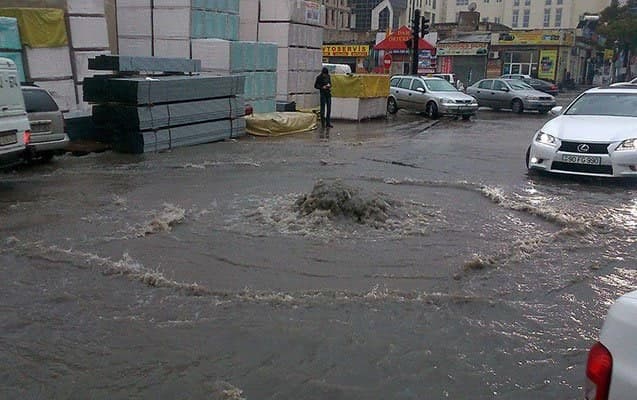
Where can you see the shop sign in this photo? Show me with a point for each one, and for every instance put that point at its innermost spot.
(338, 50)
(609, 54)
(461, 49)
(548, 64)
(550, 37)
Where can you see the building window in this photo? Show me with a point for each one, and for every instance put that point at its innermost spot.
(433, 5)
(548, 2)
(516, 3)
(485, 19)
(558, 17)
(525, 18)
(547, 17)
(514, 20)
(486, 1)
(527, 2)
(462, 2)
(496, 20)
(559, 2)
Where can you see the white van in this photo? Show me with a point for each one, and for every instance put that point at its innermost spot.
(338, 68)
(14, 124)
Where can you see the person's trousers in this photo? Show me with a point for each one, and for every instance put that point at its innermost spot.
(326, 108)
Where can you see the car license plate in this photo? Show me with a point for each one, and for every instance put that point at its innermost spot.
(7, 139)
(590, 160)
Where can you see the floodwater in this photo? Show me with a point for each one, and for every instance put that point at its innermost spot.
(431, 267)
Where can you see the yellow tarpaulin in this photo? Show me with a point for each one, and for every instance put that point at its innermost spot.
(280, 123)
(360, 86)
(39, 27)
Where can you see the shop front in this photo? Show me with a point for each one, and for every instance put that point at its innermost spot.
(396, 45)
(356, 55)
(543, 54)
(467, 60)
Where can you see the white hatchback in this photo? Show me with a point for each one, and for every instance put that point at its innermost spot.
(595, 135)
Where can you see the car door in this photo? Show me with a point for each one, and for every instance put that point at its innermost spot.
(418, 95)
(483, 92)
(402, 92)
(501, 94)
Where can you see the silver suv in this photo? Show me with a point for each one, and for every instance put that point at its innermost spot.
(433, 96)
(47, 125)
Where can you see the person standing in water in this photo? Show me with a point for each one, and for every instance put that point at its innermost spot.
(324, 84)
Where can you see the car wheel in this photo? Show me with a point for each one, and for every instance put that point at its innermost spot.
(517, 106)
(528, 157)
(466, 117)
(392, 107)
(432, 110)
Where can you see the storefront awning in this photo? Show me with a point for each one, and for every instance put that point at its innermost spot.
(397, 41)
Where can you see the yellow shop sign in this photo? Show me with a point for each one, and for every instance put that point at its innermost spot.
(339, 50)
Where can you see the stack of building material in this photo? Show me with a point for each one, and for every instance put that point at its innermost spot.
(249, 20)
(256, 61)
(89, 38)
(156, 113)
(296, 26)
(171, 28)
(135, 27)
(215, 19)
(10, 45)
(358, 97)
(48, 59)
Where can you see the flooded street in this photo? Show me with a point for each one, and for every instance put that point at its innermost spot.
(431, 267)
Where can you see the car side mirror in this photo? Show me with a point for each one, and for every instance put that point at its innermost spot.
(557, 110)
(506, 89)
(421, 90)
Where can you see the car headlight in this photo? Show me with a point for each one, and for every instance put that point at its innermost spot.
(545, 138)
(532, 98)
(474, 101)
(448, 101)
(628, 144)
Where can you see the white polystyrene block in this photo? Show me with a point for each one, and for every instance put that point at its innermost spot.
(134, 21)
(171, 3)
(135, 46)
(49, 63)
(133, 3)
(88, 32)
(80, 60)
(248, 31)
(213, 53)
(356, 109)
(63, 92)
(85, 7)
(302, 12)
(171, 23)
(172, 48)
(249, 11)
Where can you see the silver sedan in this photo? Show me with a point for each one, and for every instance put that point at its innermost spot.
(510, 94)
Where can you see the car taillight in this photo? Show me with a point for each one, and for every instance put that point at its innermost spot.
(554, 87)
(27, 137)
(598, 372)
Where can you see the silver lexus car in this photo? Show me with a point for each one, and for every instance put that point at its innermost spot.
(433, 96)
(595, 135)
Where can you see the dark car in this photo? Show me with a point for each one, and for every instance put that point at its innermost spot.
(47, 124)
(537, 84)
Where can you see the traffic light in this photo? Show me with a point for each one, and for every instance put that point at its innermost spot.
(424, 28)
(415, 23)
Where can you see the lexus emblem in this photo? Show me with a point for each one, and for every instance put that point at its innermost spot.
(583, 148)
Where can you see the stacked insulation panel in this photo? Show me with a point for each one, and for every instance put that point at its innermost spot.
(10, 45)
(256, 61)
(135, 28)
(296, 26)
(46, 51)
(218, 19)
(89, 39)
(157, 113)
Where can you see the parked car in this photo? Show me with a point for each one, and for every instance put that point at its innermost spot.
(338, 68)
(14, 125)
(595, 135)
(516, 76)
(633, 82)
(611, 369)
(542, 86)
(510, 93)
(434, 96)
(47, 124)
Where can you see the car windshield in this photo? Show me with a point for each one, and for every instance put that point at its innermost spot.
(610, 104)
(518, 85)
(439, 85)
(38, 101)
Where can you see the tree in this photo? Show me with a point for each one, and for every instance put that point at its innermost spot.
(619, 24)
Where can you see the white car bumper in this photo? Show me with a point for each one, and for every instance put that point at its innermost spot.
(613, 164)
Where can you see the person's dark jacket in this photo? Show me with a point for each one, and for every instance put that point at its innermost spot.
(321, 81)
